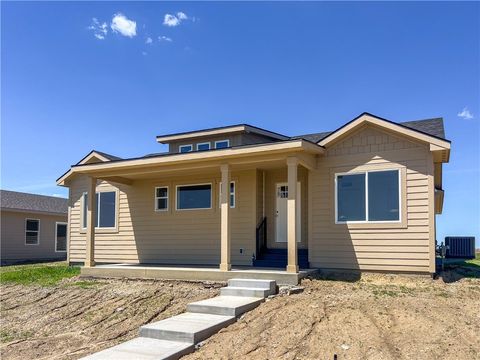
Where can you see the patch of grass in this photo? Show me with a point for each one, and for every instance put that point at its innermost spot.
(7, 336)
(48, 274)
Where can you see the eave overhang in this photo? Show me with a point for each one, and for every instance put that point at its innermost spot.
(440, 147)
(115, 167)
(165, 139)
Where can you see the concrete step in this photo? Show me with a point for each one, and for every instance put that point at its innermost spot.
(142, 348)
(187, 327)
(253, 283)
(225, 305)
(246, 291)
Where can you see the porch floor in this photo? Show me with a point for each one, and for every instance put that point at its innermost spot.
(193, 272)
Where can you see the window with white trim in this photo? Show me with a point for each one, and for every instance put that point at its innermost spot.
(185, 148)
(371, 196)
(232, 194)
(203, 146)
(222, 144)
(32, 230)
(191, 197)
(60, 237)
(161, 198)
(106, 209)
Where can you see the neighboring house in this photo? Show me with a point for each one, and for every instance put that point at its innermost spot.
(361, 197)
(33, 227)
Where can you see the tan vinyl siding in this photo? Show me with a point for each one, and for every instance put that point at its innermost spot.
(182, 237)
(405, 246)
(13, 246)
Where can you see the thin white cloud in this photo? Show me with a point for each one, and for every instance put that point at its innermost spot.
(182, 16)
(144, 53)
(174, 20)
(149, 40)
(465, 114)
(100, 30)
(164, 38)
(123, 25)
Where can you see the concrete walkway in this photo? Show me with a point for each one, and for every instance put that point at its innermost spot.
(175, 337)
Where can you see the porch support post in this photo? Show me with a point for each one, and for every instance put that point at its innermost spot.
(292, 265)
(225, 232)
(91, 216)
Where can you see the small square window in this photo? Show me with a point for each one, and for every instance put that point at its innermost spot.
(203, 146)
(161, 198)
(222, 144)
(185, 148)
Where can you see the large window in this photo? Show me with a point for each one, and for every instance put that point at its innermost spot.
(370, 196)
(191, 197)
(161, 198)
(32, 230)
(60, 237)
(106, 209)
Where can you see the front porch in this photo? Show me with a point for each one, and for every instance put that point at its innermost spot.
(209, 212)
(194, 273)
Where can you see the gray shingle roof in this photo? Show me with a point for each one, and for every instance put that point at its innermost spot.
(432, 127)
(32, 202)
(108, 156)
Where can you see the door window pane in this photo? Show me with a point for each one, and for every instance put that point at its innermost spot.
(351, 197)
(194, 197)
(383, 196)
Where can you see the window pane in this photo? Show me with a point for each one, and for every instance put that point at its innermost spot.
(194, 197)
(232, 194)
(107, 209)
(61, 237)
(32, 225)
(162, 192)
(161, 204)
(201, 147)
(383, 202)
(351, 197)
(185, 148)
(31, 237)
(84, 220)
(221, 144)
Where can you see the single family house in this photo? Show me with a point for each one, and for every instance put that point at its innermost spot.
(33, 227)
(362, 197)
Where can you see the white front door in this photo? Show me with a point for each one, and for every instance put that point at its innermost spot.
(281, 212)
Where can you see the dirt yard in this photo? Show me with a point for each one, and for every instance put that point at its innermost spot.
(376, 317)
(78, 317)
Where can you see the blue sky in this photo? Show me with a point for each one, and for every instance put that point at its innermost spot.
(70, 84)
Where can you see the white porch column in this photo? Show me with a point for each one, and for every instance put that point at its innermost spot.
(91, 216)
(225, 232)
(292, 265)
